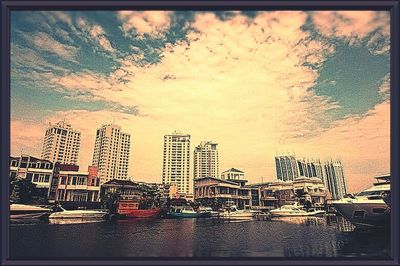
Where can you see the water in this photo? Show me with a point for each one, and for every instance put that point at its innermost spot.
(289, 237)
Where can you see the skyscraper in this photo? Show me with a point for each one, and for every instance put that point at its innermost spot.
(335, 178)
(286, 167)
(176, 159)
(61, 143)
(206, 160)
(111, 152)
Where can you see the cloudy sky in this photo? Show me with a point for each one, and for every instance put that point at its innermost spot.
(257, 83)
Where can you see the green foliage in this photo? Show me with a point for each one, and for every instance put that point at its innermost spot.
(21, 190)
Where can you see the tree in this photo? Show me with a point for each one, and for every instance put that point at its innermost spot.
(21, 190)
(110, 200)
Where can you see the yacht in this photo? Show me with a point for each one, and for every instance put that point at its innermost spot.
(370, 207)
(232, 212)
(62, 213)
(22, 211)
(295, 210)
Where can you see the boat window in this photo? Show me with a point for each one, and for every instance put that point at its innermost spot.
(378, 210)
(358, 214)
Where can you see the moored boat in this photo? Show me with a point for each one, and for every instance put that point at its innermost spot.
(22, 211)
(232, 212)
(183, 212)
(294, 210)
(369, 208)
(62, 213)
(130, 209)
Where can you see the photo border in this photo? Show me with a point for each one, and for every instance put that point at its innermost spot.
(8, 6)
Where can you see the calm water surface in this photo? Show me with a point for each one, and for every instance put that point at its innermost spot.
(290, 237)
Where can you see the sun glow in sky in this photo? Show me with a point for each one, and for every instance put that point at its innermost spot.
(256, 83)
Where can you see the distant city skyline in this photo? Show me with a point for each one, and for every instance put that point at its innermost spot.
(255, 83)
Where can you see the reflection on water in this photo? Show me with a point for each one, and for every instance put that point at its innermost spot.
(328, 236)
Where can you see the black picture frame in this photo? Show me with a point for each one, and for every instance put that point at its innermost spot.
(8, 6)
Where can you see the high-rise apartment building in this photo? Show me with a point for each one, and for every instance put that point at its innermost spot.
(111, 153)
(205, 160)
(61, 143)
(331, 173)
(336, 181)
(176, 160)
(286, 167)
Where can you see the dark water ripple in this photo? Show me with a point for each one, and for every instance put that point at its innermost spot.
(292, 237)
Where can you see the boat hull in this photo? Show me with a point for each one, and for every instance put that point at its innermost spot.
(28, 216)
(183, 215)
(21, 211)
(66, 215)
(364, 214)
(150, 213)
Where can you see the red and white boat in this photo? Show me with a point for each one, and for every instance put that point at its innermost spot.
(130, 209)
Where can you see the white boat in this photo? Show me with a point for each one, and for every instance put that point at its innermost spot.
(233, 213)
(294, 210)
(78, 214)
(22, 211)
(367, 208)
(207, 212)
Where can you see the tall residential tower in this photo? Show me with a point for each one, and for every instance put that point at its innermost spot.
(206, 160)
(176, 159)
(111, 153)
(336, 181)
(61, 143)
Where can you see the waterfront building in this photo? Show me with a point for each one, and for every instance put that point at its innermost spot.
(61, 143)
(335, 179)
(314, 190)
(211, 189)
(205, 160)
(111, 153)
(127, 189)
(286, 167)
(77, 186)
(176, 160)
(232, 174)
(36, 170)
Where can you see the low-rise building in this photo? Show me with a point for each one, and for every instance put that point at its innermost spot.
(36, 170)
(214, 189)
(78, 186)
(127, 189)
(313, 188)
(232, 174)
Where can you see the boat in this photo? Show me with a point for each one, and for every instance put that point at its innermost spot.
(207, 212)
(130, 209)
(294, 210)
(369, 208)
(22, 211)
(232, 212)
(62, 213)
(183, 212)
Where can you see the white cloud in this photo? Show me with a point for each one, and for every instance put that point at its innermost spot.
(354, 26)
(46, 43)
(145, 22)
(96, 33)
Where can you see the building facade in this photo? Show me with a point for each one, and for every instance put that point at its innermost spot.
(223, 192)
(176, 160)
(286, 167)
(38, 171)
(335, 179)
(61, 143)
(205, 160)
(78, 186)
(111, 153)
